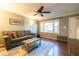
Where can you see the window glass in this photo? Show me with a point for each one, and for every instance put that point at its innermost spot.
(56, 27)
(48, 27)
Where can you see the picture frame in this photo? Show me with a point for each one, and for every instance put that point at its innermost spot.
(13, 21)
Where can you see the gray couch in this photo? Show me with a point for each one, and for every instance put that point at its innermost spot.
(11, 42)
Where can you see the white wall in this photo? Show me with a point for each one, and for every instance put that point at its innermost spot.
(4, 21)
(31, 24)
(73, 25)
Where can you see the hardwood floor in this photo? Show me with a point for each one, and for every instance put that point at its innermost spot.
(60, 48)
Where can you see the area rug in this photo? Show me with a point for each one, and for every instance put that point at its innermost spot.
(46, 49)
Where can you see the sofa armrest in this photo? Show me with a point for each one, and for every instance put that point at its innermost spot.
(7, 41)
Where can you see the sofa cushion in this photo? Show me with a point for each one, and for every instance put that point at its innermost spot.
(20, 33)
(27, 32)
(5, 33)
(8, 33)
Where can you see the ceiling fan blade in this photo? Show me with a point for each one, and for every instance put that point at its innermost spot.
(35, 14)
(41, 8)
(46, 12)
(41, 14)
(40, 11)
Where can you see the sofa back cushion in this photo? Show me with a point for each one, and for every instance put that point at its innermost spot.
(14, 34)
(5, 33)
(20, 33)
(10, 34)
(27, 32)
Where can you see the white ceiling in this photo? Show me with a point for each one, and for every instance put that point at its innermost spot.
(28, 9)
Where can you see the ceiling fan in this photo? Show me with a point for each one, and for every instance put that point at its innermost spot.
(40, 11)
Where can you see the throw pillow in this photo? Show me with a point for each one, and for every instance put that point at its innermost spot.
(12, 35)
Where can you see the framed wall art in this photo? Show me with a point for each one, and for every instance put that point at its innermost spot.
(13, 21)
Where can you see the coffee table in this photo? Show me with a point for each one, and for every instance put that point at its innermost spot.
(30, 44)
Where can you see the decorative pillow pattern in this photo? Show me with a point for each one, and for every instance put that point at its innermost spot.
(12, 35)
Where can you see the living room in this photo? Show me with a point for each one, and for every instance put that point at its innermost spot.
(50, 28)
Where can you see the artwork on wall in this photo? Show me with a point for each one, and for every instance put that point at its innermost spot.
(13, 21)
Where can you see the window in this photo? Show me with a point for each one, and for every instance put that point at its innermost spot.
(48, 27)
(51, 27)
